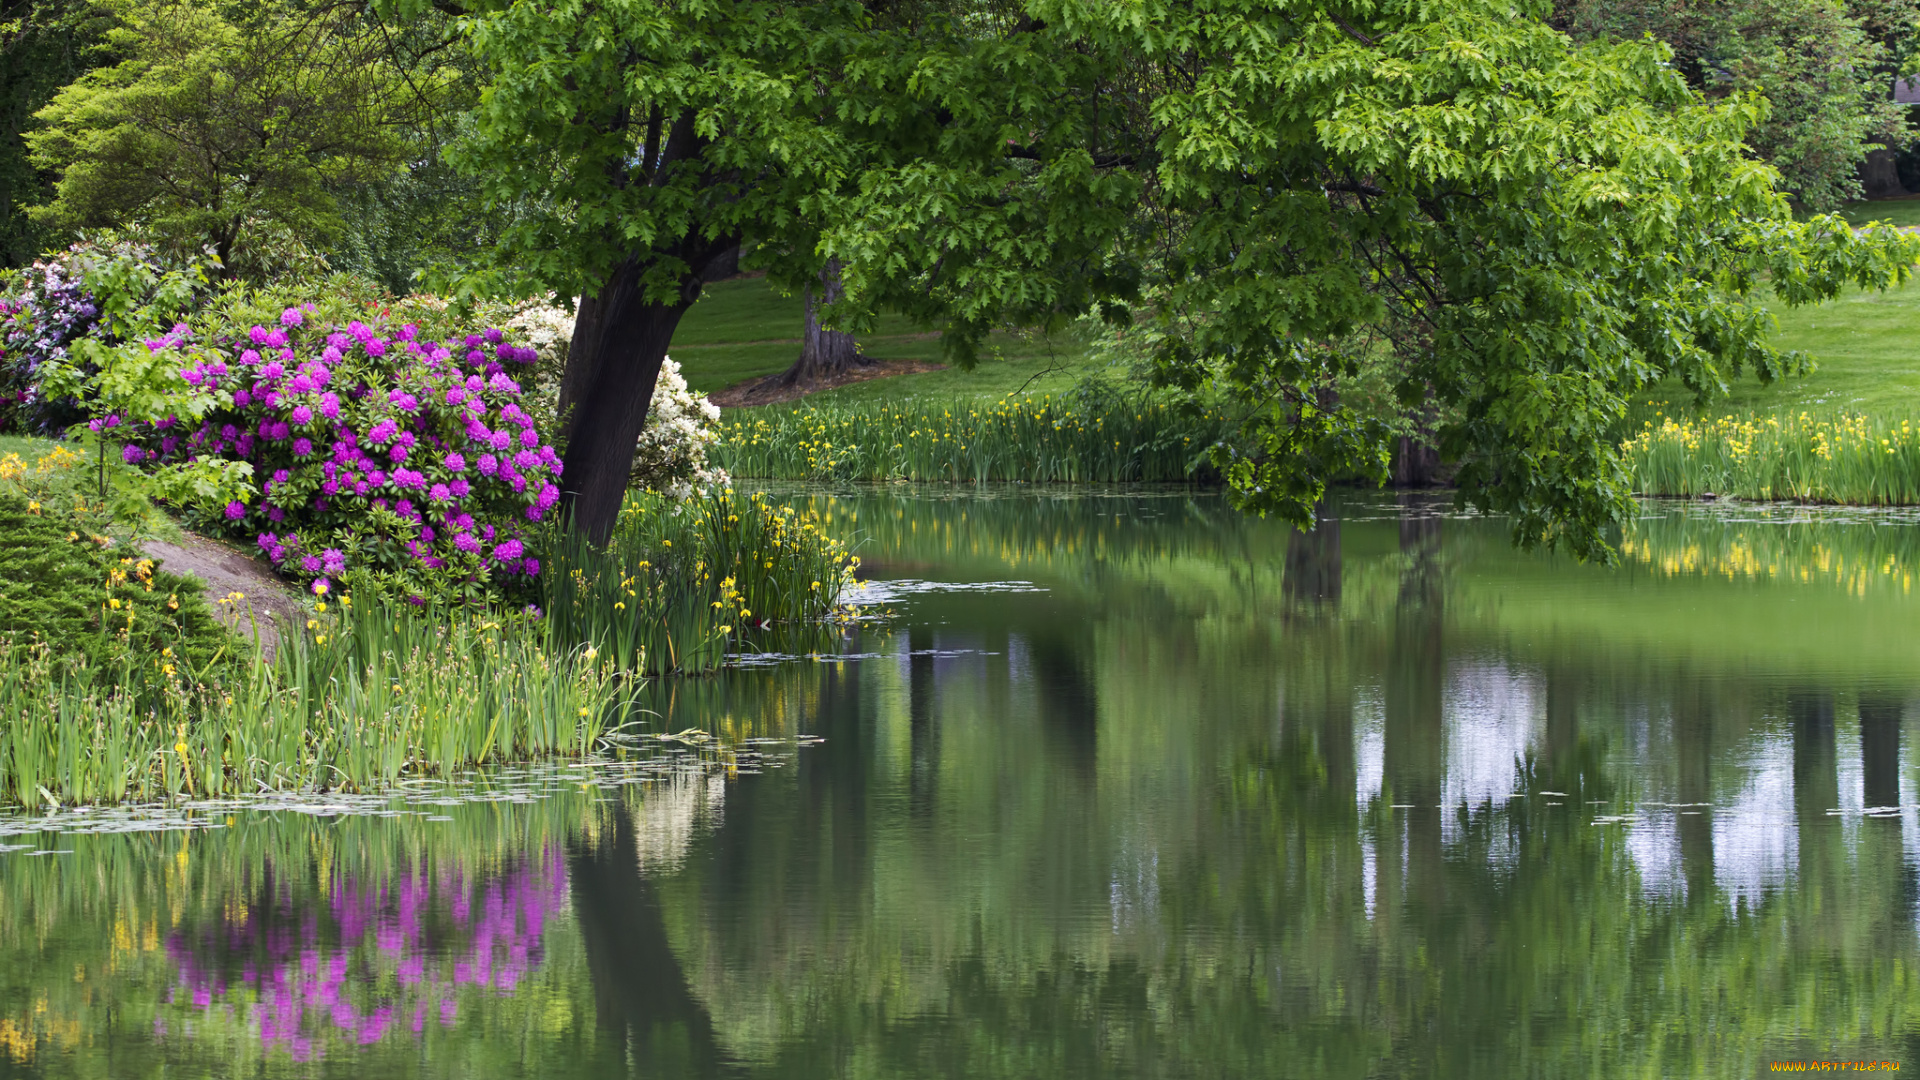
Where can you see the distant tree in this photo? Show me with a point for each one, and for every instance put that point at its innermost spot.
(227, 123)
(43, 46)
(1826, 70)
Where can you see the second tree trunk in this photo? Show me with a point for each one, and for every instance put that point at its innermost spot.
(823, 353)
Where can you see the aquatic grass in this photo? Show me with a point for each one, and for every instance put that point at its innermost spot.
(680, 582)
(367, 696)
(1103, 437)
(1850, 458)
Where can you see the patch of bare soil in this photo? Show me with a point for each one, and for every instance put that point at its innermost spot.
(224, 570)
(768, 391)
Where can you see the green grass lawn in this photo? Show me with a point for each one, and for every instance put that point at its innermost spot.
(1892, 211)
(28, 447)
(743, 329)
(1866, 347)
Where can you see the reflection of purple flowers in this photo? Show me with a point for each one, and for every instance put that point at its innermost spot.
(370, 958)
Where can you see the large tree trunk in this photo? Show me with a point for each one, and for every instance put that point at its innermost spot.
(612, 365)
(823, 353)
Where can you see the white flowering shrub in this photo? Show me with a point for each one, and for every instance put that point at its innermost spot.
(671, 457)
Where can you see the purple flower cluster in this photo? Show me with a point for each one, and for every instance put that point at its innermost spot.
(373, 447)
(52, 309)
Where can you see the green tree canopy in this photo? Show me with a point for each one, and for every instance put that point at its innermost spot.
(1529, 229)
(226, 122)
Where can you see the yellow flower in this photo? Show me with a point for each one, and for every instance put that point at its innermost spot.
(179, 748)
(33, 508)
(584, 710)
(166, 669)
(321, 607)
(114, 604)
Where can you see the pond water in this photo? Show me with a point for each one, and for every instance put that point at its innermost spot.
(1107, 784)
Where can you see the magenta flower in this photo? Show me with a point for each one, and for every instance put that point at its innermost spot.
(236, 510)
(292, 317)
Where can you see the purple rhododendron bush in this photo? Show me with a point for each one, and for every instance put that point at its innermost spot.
(378, 449)
(351, 436)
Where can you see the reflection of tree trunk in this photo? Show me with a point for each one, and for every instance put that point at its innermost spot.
(1880, 749)
(1415, 751)
(1313, 564)
(1816, 789)
(1069, 706)
(823, 353)
(1816, 781)
(639, 988)
(1693, 747)
(925, 751)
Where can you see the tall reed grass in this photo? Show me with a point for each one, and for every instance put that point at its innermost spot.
(1100, 438)
(1842, 458)
(368, 695)
(680, 583)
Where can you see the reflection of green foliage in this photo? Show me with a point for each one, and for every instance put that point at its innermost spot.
(1183, 887)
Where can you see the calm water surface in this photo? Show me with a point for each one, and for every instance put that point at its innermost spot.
(1118, 785)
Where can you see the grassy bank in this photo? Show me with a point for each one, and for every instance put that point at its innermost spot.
(1851, 458)
(369, 695)
(1034, 438)
(742, 330)
(117, 682)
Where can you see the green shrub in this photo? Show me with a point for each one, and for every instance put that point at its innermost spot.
(79, 595)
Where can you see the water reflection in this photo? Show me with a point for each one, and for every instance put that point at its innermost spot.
(361, 960)
(1200, 797)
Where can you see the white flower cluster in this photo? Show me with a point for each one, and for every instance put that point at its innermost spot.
(671, 457)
